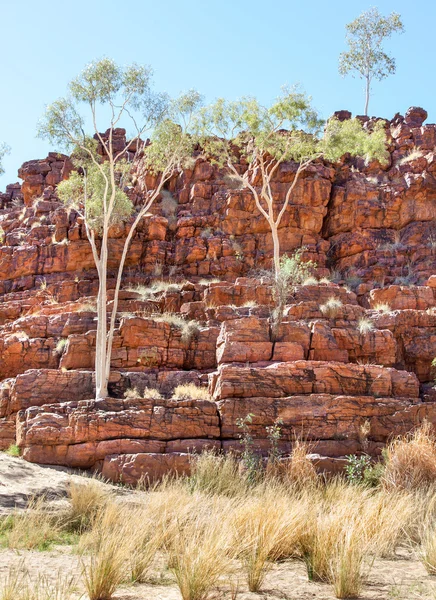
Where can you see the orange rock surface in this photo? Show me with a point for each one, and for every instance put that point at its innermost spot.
(325, 372)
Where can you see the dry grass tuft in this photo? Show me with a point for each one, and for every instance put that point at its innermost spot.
(86, 500)
(299, 469)
(34, 528)
(190, 391)
(383, 307)
(104, 569)
(411, 460)
(217, 474)
(365, 325)
(331, 308)
(200, 551)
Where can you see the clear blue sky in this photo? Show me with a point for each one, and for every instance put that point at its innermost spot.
(224, 48)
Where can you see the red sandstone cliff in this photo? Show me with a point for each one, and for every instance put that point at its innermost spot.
(372, 229)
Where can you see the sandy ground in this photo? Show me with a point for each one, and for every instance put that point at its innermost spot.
(21, 480)
(403, 578)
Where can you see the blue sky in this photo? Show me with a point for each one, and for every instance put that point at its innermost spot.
(228, 48)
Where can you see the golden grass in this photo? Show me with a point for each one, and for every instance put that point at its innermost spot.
(104, 569)
(17, 585)
(411, 460)
(190, 391)
(86, 500)
(219, 474)
(200, 551)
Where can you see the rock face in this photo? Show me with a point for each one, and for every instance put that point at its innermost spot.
(348, 353)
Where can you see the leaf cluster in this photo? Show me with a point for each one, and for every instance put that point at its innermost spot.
(289, 129)
(87, 191)
(365, 37)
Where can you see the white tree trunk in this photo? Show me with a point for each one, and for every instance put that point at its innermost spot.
(101, 381)
(367, 96)
(276, 247)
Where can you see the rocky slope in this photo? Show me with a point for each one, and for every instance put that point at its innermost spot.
(371, 231)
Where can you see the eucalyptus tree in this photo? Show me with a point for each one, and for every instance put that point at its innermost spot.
(366, 56)
(266, 137)
(4, 149)
(97, 188)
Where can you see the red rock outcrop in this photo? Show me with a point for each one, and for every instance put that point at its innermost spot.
(330, 366)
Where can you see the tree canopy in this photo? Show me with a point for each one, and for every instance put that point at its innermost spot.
(366, 55)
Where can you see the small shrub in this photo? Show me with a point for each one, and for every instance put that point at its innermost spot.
(250, 304)
(336, 276)
(310, 281)
(274, 434)
(13, 450)
(373, 474)
(365, 325)
(353, 282)
(293, 271)
(356, 467)
(189, 329)
(251, 460)
(409, 157)
(190, 391)
(331, 308)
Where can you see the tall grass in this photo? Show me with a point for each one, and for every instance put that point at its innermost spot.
(86, 500)
(35, 528)
(411, 460)
(216, 473)
(103, 570)
(200, 551)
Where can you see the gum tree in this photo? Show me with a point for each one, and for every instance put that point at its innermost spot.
(97, 188)
(366, 56)
(267, 137)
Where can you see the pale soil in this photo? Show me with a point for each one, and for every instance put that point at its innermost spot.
(21, 480)
(403, 578)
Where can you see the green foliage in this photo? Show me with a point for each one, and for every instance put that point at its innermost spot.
(4, 150)
(356, 467)
(289, 129)
(91, 190)
(365, 36)
(373, 474)
(13, 450)
(341, 137)
(274, 434)
(366, 56)
(293, 271)
(252, 461)
(249, 128)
